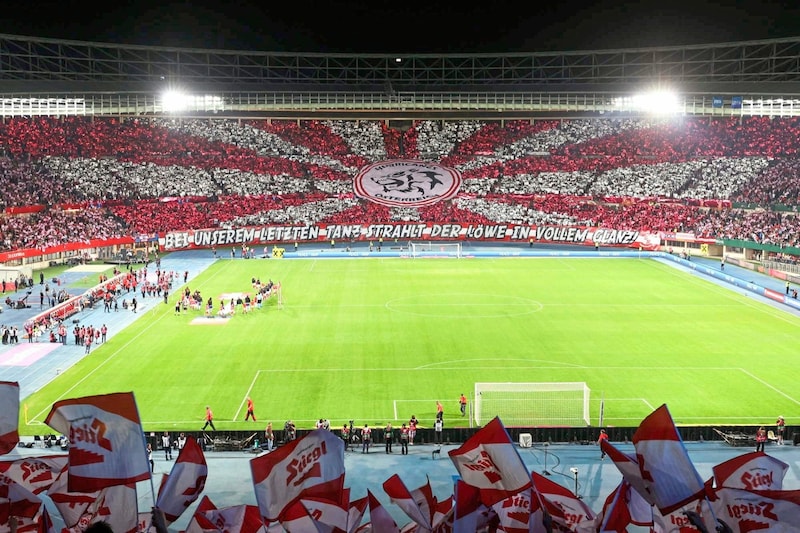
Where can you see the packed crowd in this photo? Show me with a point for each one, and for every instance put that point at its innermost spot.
(71, 179)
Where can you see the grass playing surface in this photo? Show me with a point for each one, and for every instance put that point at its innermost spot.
(377, 340)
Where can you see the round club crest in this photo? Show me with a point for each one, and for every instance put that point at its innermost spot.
(407, 183)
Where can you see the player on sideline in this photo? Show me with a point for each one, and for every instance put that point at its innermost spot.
(462, 402)
(209, 419)
(250, 410)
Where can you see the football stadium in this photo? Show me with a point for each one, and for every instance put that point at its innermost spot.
(282, 292)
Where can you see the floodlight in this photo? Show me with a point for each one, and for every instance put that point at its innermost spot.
(174, 101)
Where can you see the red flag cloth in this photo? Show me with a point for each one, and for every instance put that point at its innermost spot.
(489, 461)
(443, 515)
(379, 518)
(315, 515)
(574, 514)
(186, 481)
(418, 504)
(667, 470)
(36, 474)
(9, 416)
(629, 468)
(310, 466)
(239, 518)
(356, 513)
(622, 508)
(751, 471)
(106, 442)
(469, 514)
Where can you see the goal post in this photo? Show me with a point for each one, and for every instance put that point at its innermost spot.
(533, 404)
(434, 249)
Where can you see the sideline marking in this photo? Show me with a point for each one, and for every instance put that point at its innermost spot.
(110, 357)
(244, 400)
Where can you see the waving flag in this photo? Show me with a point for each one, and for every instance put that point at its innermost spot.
(624, 507)
(751, 471)
(380, 519)
(668, 472)
(106, 443)
(418, 504)
(569, 510)
(312, 466)
(315, 515)
(9, 416)
(629, 468)
(71, 505)
(520, 513)
(757, 510)
(185, 482)
(36, 474)
(239, 518)
(443, 515)
(469, 514)
(356, 513)
(17, 501)
(489, 461)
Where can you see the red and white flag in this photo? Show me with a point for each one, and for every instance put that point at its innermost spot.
(71, 505)
(106, 443)
(9, 416)
(19, 502)
(186, 481)
(469, 514)
(751, 471)
(379, 518)
(239, 518)
(520, 513)
(418, 504)
(117, 505)
(622, 508)
(629, 468)
(757, 510)
(668, 472)
(443, 515)
(36, 474)
(312, 466)
(489, 461)
(574, 514)
(315, 515)
(356, 513)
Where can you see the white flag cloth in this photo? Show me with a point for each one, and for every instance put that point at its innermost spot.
(758, 510)
(418, 504)
(356, 513)
(470, 514)
(624, 507)
(575, 515)
(668, 472)
(379, 518)
(36, 474)
(751, 471)
(186, 481)
(489, 461)
(106, 442)
(9, 416)
(312, 466)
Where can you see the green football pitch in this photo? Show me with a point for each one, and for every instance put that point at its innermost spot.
(377, 340)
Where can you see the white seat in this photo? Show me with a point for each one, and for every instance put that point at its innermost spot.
(525, 440)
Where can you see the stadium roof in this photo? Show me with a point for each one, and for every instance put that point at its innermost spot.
(128, 78)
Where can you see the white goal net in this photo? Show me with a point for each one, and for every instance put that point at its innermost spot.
(533, 404)
(434, 249)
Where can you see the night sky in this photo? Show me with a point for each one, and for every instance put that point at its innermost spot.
(404, 26)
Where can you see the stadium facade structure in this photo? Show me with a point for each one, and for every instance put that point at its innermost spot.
(40, 76)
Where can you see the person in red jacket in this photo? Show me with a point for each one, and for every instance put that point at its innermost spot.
(603, 437)
(209, 419)
(250, 410)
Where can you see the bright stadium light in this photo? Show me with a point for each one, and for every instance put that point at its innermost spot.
(177, 102)
(654, 102)
(174, 101)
